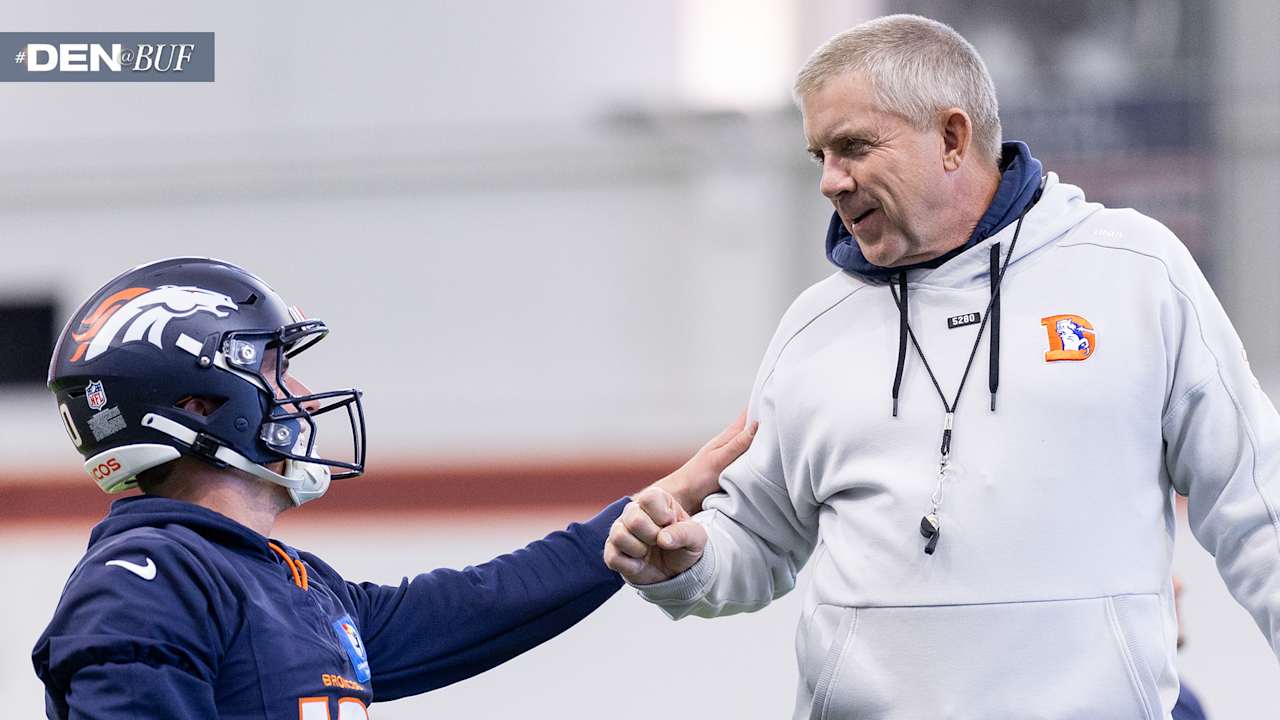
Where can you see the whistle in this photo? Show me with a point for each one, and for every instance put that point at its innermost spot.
(931, 529)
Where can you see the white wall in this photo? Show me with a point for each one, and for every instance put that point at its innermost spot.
(1248, 138)
(622, 308)
(506, 270)
(485, 63)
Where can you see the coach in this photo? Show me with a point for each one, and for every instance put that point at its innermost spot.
(974, 558)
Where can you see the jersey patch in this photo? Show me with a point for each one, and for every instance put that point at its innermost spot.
(972, 318)
(1071, 337)
(350, 640)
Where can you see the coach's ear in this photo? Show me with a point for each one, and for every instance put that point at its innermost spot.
(957, 133)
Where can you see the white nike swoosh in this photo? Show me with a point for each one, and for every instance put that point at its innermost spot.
(146, 572)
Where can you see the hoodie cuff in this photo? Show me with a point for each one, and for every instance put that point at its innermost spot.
(685, 588)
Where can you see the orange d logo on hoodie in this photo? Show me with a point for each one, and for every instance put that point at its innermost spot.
(1071, 337)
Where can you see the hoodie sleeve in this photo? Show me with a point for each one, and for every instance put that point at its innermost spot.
(760, 533)
(447, 625)
(134, 639)
(1222, 439)
(762, 528)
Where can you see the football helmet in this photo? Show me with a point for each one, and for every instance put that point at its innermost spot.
(166, 332)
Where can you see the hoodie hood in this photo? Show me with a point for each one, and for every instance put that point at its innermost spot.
(1060, 208)
(143, 511)
(1020, 175)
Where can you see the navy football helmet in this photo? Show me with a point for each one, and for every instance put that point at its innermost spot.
(172, 330)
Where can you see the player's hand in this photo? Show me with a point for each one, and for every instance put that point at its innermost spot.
(700, 476)
(654, 539)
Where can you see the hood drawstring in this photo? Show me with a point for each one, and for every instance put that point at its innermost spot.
(902, 338)
(992, 317)
(993, 361)
(996, 276)
(296, 568)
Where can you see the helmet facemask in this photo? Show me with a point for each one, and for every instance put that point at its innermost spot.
(291, 421)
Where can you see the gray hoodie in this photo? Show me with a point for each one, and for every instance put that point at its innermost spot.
(1049, 595)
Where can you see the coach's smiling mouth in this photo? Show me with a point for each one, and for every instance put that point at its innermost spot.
(863, 216)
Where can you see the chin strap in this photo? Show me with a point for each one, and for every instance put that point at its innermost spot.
(305, 481)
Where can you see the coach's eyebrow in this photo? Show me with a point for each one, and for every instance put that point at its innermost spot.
(843, 142)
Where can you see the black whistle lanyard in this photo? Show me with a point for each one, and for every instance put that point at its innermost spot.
(931, 524)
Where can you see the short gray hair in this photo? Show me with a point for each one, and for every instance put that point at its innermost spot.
(918, 67)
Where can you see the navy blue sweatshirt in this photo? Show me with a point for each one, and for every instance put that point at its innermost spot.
(1188, 707)
(178, 611)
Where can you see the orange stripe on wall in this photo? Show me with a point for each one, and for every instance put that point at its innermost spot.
(504, 486)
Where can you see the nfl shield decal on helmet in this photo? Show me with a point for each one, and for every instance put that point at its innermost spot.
(96, 395)
(1071, 337)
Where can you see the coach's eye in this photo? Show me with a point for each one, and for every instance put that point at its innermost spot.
(853, 148)
(816, 157)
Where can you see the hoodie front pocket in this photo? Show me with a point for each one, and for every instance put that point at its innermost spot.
(831, 663)
(1085, 659)
(1131, 620)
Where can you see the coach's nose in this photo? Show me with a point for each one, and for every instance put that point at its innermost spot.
(836, 178)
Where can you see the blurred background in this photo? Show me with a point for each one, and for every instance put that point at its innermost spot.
(553, 239)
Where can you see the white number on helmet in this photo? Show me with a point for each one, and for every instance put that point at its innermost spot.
(71, 426)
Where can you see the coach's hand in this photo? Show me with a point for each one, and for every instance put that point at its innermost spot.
(700, 476)
(654, 539)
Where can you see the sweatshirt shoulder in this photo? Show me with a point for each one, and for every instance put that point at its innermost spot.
(168, 559)
(1126, 229)
(136, 598)
(814, 302)
(821, 297)
(176, 543)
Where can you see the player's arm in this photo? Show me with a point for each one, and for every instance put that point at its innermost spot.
(742, 552)
(135, 639)
(1222, 439)
(447, 625)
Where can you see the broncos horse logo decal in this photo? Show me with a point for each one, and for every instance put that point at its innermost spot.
(1071, 337)
(138, 312)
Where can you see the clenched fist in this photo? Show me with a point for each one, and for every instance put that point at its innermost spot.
(654, 539)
